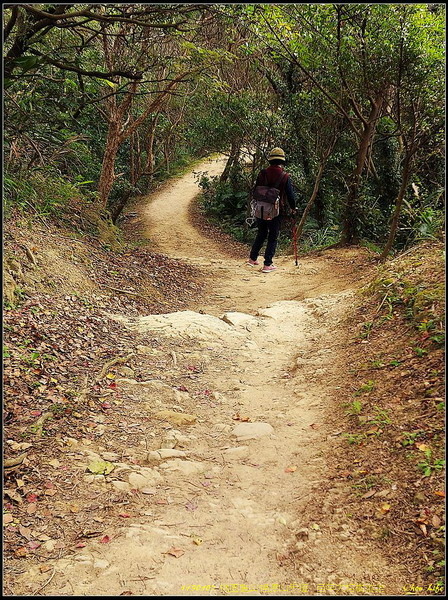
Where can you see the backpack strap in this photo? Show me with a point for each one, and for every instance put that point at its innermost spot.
(283, 176)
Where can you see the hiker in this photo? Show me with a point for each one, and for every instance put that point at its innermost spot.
(273, 176)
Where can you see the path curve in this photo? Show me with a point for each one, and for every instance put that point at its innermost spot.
(236, 286)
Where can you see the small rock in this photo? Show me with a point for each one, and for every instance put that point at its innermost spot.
(110, 456)
(145, 478)
(176, 418)
(168, 444)
(121, 486)
(236, 453)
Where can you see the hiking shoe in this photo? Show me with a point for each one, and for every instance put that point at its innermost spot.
(252, 263)
(268, 268)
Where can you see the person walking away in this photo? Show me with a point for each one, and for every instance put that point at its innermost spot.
(270, 229)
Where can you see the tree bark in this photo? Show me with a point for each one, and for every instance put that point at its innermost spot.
(311, 200)
(406, 174)
(350, 234)
(107, 176)
(234, 154)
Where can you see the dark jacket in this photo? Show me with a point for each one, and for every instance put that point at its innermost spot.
(270, 176)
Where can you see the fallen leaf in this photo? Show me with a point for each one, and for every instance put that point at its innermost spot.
(177, 552)
(384, 508)
(7, 518)
(13, 495)
(243, 419)
(25, 532)
(31, 509)
(34, 545)
(373, 430)
(105, 540)
(423, 447)
(21, 552)
(31, 498)
(124, 515)
(436, 521)
(101, 467)
(315, 526)
(290, 469)
(369, 494)
(80, 545)
(441, 494)
(314, 426)
(423, 528)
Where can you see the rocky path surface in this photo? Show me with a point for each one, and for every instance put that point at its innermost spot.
(220, 461)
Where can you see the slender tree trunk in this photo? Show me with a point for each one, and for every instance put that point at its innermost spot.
(317, 181)
(150, 158)
(107, 176)
(406, 174)
(349, 230)
(311, 200)
(234, 154)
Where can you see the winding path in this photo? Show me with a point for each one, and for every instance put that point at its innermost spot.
(247, 507)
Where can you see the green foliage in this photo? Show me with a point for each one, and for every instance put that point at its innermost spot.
(225, 202)
(45, 194)
(430, 464)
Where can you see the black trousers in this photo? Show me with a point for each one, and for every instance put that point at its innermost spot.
(270, 230)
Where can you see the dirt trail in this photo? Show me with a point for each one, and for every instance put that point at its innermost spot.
(246, 504)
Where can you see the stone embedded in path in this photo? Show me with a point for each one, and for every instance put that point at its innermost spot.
(144, 478)
(237, 453)
(185, 323)
(251, 431)
(156, 456)
(176, 418)
(186, 467)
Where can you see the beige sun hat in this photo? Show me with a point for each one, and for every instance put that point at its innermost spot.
(277, 154)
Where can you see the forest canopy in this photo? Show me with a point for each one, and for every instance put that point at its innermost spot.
(104, 101)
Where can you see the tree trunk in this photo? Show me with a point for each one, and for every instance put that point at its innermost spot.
(350, 234)
(234, 154)
(107, 176)
(150, 158)
(406, 174)
(311, 200)
(117, 210)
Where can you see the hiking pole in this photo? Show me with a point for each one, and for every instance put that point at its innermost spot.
(294, 240)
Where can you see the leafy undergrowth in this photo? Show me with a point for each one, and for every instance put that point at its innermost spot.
(393, 458)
